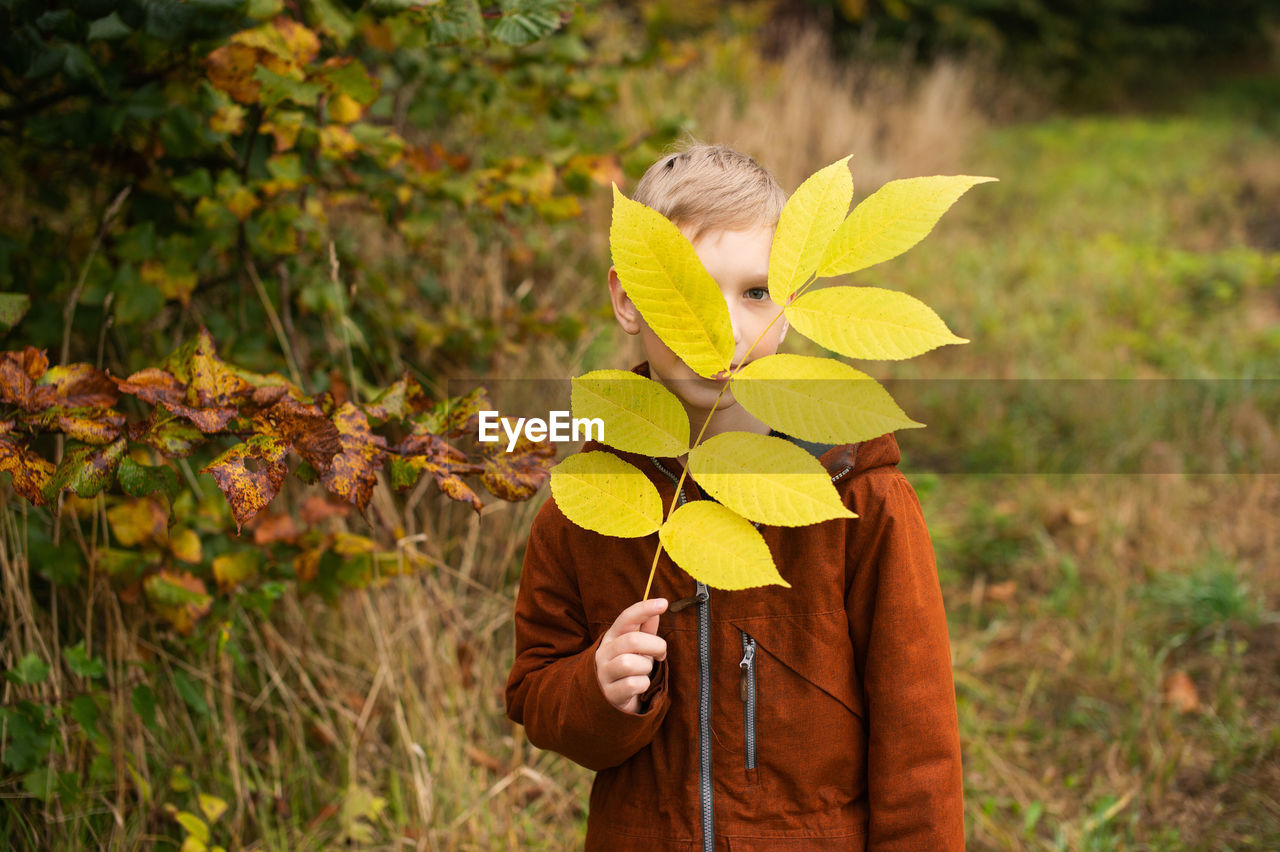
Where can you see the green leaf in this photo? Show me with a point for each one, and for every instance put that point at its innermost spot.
(79, 661)
(808, 221)
(138, 480)
(109, 28)
(13, 306)
(277, 88)
(719, 547)
(891, 220)
(869, 322)
(817, 399)
(86, 712)
(197, 184)
(766, 479)
(144, 704)
(639, 414)
(673, 291)
(30, 670)
(190, 693)
(351, 78)
(86, 470)
(526, 21)
(601, 492)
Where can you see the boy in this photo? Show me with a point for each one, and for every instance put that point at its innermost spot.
(817, 717)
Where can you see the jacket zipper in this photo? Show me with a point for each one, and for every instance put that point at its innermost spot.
(748, 666)
(703, 599)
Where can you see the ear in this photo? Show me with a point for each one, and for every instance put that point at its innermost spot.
(623, 308)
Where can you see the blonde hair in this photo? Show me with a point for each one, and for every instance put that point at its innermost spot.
(711, 187)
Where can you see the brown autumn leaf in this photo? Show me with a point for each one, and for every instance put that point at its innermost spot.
(316, 508)
(517, 475)
(250, 474)
(399, 400)
(1180, 691)
(212, 383)
(19, 371)
(269, 528)
(160, 387)
(30, 471)
(230, 68)
(424, 451)
(304, 425)
(79, 386)
(172, 436)
(88, 425)
(1002, 592)
(353, 472)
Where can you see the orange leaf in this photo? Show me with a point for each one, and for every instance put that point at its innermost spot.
(517, 475)
(271, 528)
(230, 68)
(30, 471)
(18, 374)
(250, 475)
(1180, 691)
(352, 474)
(316, 508)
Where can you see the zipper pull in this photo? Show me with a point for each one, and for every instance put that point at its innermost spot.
(748, 660)
(700, 597)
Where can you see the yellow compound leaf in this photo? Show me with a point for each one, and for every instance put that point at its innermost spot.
(673, 291)
(766, 479)
(808, 222)
(869, 322)
(817, 399)
(719, 547)
(600, 492)
(891, 220)
(639, 414)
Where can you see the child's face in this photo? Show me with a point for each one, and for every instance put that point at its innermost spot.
(738, 260)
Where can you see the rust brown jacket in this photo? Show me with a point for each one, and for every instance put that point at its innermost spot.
(829, 717)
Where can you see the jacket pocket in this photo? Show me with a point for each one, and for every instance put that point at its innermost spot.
(805, 735)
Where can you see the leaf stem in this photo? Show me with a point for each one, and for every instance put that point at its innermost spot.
(653, 569)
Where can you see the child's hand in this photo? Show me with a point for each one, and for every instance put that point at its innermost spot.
(626, 654)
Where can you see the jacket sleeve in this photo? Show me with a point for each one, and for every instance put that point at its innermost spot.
(553, 689)
(899, 627)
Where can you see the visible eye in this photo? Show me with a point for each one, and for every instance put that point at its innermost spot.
(758, 293)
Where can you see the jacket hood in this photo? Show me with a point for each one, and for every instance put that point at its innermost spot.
(859, 456)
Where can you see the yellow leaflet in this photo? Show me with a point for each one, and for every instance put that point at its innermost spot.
(675, 294)
(212, 806)
(765, 479)
(718, 547)
(869, 322)
(817, 399)
(893, 219)
(195, 826)
(639, 414)
(600, 492)
(809, 220)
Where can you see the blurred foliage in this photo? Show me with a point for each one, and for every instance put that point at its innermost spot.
(1084, 52)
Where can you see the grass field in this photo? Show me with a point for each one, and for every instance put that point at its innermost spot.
(1113, 605)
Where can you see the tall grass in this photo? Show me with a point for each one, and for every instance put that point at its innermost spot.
(1080, 607)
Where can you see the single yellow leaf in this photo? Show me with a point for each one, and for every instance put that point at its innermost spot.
(195, 826)
(719, 547)
(601, 492)
(673, 291)
(817, 399)
(891, 220)
(212, 806)
(345, 109)
(639, 415)
(193, 844)
(185, 545)
(869, 322)
(766, 479)
(808, 221)
(232, 569)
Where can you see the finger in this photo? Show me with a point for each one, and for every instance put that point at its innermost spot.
(640, 643)
(628, 665)
(636, 615)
